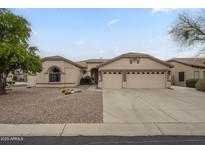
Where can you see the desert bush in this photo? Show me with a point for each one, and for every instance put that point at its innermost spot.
(87, 80)
(200, 85)
(66, 91)
(191, 83)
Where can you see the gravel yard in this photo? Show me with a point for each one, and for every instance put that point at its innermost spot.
(49, 105)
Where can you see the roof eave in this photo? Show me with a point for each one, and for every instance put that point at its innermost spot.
(196, 66)
(63, 59)
(140, 56)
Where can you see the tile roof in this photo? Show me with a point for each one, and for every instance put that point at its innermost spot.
(84, 62)
(134, 54)
(194, 62)
(53, 58)
(95, 60)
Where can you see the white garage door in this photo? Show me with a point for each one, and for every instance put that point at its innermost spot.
(146, 80)
(112, 80)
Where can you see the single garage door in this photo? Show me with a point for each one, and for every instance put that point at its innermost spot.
(145, 80)
(111, 80)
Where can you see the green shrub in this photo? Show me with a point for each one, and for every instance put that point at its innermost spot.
(200, 85)
(191, 83)
(87, 80)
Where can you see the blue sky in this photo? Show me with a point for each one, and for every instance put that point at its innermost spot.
(79, 34)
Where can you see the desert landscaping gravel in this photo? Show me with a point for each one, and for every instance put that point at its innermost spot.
(49, 105)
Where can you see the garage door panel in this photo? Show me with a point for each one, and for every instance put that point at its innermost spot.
(112, 80)
(145, 80)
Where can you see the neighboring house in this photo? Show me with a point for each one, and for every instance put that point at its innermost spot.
(10, 79)
(16, 76)
(19, 75)
(187, 68)
(131, 70)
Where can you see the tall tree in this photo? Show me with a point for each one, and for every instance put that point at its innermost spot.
(15, 51)
(189, 30)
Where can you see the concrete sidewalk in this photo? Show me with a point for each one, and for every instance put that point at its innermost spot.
(105, 129)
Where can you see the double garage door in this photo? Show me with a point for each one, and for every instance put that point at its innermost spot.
(134, 80)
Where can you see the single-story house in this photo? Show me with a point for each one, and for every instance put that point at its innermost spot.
(131, 70)
(91, 69)
(57, 72)
(186, 68)
(134, 70)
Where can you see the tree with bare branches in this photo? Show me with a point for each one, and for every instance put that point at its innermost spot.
(189, 30)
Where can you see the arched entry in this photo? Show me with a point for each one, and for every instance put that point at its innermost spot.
(94, 75)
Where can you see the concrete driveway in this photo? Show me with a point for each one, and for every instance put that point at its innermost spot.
(180, 111)
(180, 105)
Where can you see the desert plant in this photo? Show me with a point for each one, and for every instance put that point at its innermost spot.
(66, 91)
(200, 85)
(191, 83)
(87, 80)
(63, 90)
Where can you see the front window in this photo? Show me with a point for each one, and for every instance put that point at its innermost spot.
(196, 74)
(181, 76)
(54, 75)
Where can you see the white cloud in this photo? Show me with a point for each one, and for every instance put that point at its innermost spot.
(80, 42)
(157, 10)
(111, 22)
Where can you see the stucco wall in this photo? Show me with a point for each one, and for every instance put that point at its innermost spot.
(124, 63)
(70, 74)
(144, 64)
(189, 73)
(90, 66)
(31, 80)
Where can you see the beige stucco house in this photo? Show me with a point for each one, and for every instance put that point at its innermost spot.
(134, 70)
(187, 68)
(57, 72)
(91, 67)
(131, 70)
